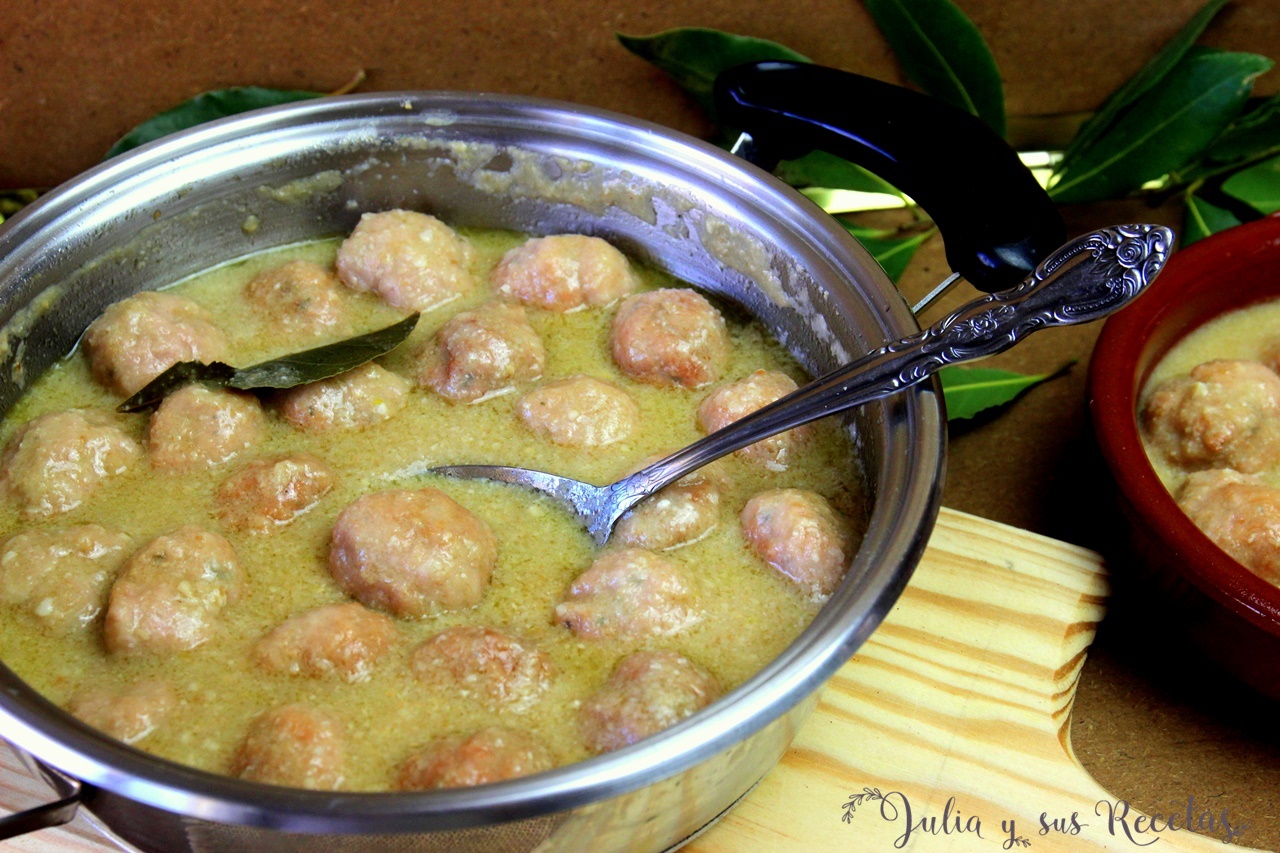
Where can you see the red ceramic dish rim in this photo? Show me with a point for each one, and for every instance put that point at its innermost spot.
(1231, 269)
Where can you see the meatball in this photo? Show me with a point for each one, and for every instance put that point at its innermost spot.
(353, 400)
(1226, 413)
(670, 337)
(648, 692)
(269, 493)
(137, 339)
(129, 714)
(169, 594)
(629, 594)
(1240, 513)
(680, 514)
(412, 260)
(56, 462)
(343, 640)
(564, 272)
(412, 552)
(799, 534)
(480, 353)
(579, 411)
(739, 399)
(503, 671)
(300, 297)
(293, 745)
(492, 754)
(62, 577)
(198, 427)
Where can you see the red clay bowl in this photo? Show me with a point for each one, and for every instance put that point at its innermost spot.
(1230, 613)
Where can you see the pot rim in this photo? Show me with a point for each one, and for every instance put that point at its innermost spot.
(900, 522)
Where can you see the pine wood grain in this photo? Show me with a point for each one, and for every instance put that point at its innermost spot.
(965, 691)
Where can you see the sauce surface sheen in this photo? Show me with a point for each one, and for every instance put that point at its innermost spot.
(750, 612)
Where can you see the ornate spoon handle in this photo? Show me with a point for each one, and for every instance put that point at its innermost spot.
(1086, 279)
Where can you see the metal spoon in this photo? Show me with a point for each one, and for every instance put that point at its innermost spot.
(1084, 280)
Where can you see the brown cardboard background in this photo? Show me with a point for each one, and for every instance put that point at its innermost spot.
(76, 74)
(1154, 725)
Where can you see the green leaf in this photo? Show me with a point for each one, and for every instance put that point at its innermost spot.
(1201, 219)
(1255, 133)
(208, 106)
(892, 253)
(1257, 186)
(970, 390)
(288, 371)
(693, 56)
(1156, 69)
(820, 169)
(1253, 137)
(1165, 128)
(11, 201)
(943, 53)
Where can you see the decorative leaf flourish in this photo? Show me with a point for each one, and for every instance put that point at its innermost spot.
(868, 795)
(970, 390)
(943, 53)
(288, 371)
(1164, 129)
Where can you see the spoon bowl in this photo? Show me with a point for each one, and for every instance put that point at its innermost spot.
(1084, 280)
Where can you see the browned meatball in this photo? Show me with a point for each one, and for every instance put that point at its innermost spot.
(62, 577)
(492, 754)
(169, 593)
(1240, 513)
(480, 353)
(293, 745)
(269, 493)
(501, 670)
(670, 337)
(412, 260)
(579, 411)
(680, 514)
(56, 462)
(356, 399)
(412, 552)
(799, 534)
(738, 399)
(299, 297)
(629, 594)
(129, 714)
(137, 339)
(1225, 413)
(341, 640)
(198, 427)
(564, 272)
(648, 692)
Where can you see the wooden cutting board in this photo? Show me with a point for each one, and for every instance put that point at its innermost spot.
(962, 696)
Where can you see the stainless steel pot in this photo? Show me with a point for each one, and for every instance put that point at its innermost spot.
(308, 170)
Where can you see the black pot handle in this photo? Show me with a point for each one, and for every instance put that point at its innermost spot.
(43, 817)
(996, 221)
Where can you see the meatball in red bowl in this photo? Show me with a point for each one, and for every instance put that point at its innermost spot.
(1185, 400)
